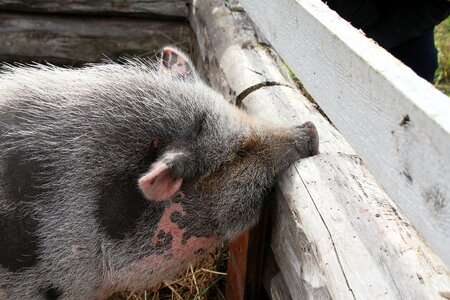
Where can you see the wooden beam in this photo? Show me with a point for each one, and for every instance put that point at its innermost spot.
(397, 122)
(336, 233)
(237, 267)
(75, 39)
(245, 269)
(166, 8)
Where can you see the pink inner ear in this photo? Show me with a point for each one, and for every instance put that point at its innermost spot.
(158, 185)
(175, 61)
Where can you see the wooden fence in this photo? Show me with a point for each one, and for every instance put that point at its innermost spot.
(398, 123)
(75, 32)
(337, 233)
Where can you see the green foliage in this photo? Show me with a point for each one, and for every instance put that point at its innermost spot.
(442, 37)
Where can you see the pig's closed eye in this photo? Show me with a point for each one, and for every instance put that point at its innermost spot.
(200, 126)
(242, 153)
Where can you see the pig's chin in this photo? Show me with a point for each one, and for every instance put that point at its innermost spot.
(291, 157)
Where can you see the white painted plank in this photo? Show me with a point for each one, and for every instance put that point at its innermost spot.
(367, 94)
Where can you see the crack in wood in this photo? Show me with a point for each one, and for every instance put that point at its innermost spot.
(329, 233)
(392, 277)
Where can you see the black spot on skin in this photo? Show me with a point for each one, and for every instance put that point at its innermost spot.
(194, 232)
(167, 242)
(161, 235)
(24, 177)
(164, 242)
(121, 206)
(177, 198)
(186, 235)
(23, 182)
(51, 293)
(18, 240)
(175, 217)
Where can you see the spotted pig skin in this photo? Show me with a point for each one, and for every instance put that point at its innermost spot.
(117, 176)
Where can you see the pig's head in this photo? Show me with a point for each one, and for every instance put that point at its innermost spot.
(223, 163)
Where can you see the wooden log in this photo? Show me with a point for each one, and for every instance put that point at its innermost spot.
(75, 40)
(215, 45)
(397, 122)
(336, 233)
(273, 280)
(166, 8)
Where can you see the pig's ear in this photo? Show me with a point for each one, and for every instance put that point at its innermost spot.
(158, 184)
(175, 62)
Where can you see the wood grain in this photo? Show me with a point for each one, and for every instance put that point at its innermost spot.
(166, 8)
(75, 40)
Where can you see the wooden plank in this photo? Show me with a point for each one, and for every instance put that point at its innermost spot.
(397, 122)
(237, 267)
(245, 263)
(75, 40)
(167, 8)
(336, 233)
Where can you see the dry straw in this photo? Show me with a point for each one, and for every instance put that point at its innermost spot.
(203, 281)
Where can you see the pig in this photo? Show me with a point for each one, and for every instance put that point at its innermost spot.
(117, 176)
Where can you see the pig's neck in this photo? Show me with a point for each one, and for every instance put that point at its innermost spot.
(170, 248)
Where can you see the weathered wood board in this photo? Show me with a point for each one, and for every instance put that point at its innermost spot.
(397, 122)
(167, 8)
(273, 280)
(336, 232)
(76, 39)
(245, 270)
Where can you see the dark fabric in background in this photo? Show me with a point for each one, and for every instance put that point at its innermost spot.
(404, 28)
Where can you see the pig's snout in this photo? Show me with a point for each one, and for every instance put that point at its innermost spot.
(308, 142)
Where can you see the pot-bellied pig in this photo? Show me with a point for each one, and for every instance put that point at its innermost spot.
(116, 176)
